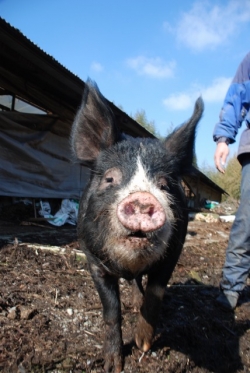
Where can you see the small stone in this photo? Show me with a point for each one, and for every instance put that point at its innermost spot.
(12, 313)
(70, 311)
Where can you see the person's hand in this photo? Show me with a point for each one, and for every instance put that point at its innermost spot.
(220, 156)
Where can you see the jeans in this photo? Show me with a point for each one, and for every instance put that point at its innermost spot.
(237, 263)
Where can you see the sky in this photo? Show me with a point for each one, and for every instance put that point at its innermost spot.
(152, 55)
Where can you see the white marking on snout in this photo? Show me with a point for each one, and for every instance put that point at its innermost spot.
(140, 182)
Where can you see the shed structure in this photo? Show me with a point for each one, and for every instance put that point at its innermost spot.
(199, 189)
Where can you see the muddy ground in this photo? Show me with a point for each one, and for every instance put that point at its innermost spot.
(51, 316)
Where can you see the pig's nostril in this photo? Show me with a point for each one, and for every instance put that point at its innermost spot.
(137, 208)
(151, 211)
(129, 209)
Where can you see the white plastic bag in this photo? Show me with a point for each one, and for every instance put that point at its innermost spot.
(45, 209)
(68, 212)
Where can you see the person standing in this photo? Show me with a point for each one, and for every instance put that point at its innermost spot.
(235, 110)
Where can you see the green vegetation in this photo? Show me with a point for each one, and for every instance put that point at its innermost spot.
(141, 117)
(230, 181)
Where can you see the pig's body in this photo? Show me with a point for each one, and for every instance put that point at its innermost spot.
(133, 216)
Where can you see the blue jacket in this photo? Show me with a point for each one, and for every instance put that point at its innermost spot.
(235, 108)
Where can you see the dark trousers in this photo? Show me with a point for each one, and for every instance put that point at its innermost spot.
(237, 264)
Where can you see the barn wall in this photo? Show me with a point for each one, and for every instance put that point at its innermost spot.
(36, 159)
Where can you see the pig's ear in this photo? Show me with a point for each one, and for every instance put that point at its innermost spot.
(94, 126)
(180, 143)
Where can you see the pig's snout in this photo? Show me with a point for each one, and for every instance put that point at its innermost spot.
(141, 211)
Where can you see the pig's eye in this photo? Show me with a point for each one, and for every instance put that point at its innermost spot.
(164, 187)
(109, 179)
(162, 184)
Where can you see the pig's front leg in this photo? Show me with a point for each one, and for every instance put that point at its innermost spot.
(137, 293)
(149, 314)
(108, 289)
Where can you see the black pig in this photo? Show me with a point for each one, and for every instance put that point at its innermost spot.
(132, 217)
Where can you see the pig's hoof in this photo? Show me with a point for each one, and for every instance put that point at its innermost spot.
(144, 334)
(113, 361)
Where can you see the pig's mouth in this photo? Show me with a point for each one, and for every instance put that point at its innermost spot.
(138, 234)
(138, 239)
